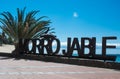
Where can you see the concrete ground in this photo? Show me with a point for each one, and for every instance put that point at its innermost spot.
(11, 68)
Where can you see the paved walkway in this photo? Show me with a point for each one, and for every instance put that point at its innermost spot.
(31, 69)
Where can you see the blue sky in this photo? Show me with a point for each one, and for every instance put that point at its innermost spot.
(74, 18)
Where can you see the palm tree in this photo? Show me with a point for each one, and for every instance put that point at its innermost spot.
(23, 26)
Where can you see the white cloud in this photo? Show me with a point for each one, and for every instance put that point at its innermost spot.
(75, 14)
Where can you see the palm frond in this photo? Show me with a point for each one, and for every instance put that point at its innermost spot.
(24, 25)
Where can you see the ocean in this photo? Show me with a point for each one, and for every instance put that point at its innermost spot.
(112, 52)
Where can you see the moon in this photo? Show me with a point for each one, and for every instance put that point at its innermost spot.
(75, 14)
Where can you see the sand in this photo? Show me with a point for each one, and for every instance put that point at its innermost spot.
(11, 68)
(6, 48)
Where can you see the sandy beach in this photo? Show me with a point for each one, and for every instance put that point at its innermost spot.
(6, 48)
(11, 68)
